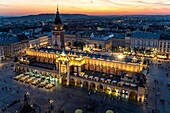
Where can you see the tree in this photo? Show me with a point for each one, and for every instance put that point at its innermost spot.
(75, 44)
(148, 52)
(15, 59)
(95, 45)
(100, 47)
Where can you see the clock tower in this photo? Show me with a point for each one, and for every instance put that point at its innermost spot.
(58, 33)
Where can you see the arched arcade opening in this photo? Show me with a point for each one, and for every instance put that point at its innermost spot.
(133, 96)
(85, 84)
(92, 86)
(72, 82)
(64, 80)
(100, 88)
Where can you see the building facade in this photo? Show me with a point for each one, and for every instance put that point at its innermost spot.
(144, 40)
(14, 45)
(105, 43)
(164, 44)
(119, 40)
(41, 41)
(95, 72)
(91, 41)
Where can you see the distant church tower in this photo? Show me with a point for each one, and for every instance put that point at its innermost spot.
(58, 33)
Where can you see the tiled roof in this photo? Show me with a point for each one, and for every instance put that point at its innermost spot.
(165, 37)
(122, 36)
(102, 38)
(145, 35)
(6, 39)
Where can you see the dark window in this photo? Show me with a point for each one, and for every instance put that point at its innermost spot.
(164, 46)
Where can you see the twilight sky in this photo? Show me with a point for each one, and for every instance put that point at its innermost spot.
(91, 7)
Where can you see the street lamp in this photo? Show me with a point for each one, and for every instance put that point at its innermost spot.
(51, 101)
(27, 93)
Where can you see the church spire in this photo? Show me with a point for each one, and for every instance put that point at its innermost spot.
(57, 18)
(57, 10)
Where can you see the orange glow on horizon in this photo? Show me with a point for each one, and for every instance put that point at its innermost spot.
(99, 7)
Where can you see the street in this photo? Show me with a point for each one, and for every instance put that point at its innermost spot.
(157, 87)
(69, 98)
(65, 98)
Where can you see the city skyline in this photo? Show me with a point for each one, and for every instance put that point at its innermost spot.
(90, 7)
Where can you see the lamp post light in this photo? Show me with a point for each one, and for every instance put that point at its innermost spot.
(51, 106)
(27, 94)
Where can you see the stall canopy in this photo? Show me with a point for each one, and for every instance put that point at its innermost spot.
(75, 73)
(80, 75)
(90, 76)
(31, 73)
(109, 80)
(96, 77)
(85, 76)
(114, 81)
(37, 75)
(127, 84)
(27, 73)
(101, 78)
(121, 82)
(134, 85)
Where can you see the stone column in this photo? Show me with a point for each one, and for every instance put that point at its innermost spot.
(59, 69)
(75, 82)
(57, 66)
(79, 69)
(89, 85)
(96, 87)
(110, 91)
(104, 87)
(141, 94)
(68, 73)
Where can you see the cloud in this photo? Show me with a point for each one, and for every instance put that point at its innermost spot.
(111, 2)
(155, 3)
(85, 6)
(8, 6)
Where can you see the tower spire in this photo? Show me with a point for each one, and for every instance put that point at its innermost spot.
(57, 9)
(57, 18)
